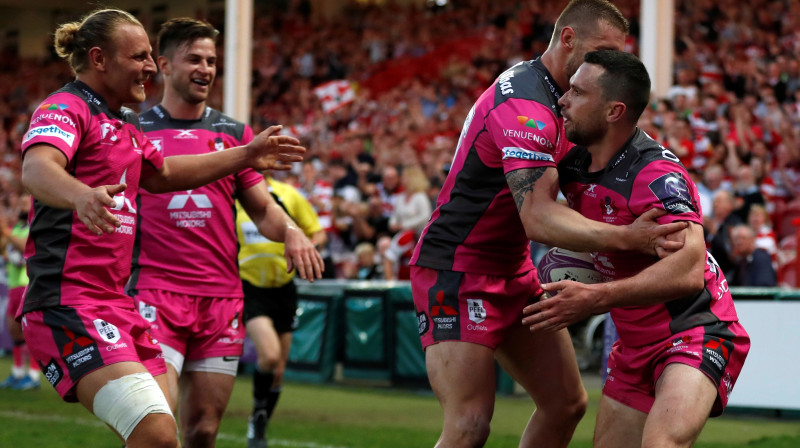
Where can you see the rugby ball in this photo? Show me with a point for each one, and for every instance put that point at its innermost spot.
(562, 264)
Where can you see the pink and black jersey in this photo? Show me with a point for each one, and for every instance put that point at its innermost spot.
(476, 226)
(186, 241)
(641, 176)
(67, 264)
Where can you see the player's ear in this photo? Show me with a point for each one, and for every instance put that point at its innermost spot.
(567, 37)
(616, 111)
(97, 58)
(163, 65)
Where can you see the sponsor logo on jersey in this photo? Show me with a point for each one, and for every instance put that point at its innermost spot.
(527, 135)
(190, 218)
(78, 351)
(89, 96)
(224, 122)
(678, 344)
(727, 381)
(158, 143)
(513, 152)
(477, 313)
(180, 200)
(108, 131)
(673, 192)
(185, 133)
(716, 353)
(53, 106)
(52, 116)
(444, 317)
(218, 144)
(49, 131)
(109, 332)
(504, 81)
(148, 312)
(52, 371)
(422, 323)
(609, 207)
(531, 122)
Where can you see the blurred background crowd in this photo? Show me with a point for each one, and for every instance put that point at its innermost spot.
(380, 150)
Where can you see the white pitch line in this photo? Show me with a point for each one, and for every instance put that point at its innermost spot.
(99, 424)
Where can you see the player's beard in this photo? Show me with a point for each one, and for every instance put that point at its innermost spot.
(585, 134)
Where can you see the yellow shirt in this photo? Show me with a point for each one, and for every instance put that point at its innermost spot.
(261, 261)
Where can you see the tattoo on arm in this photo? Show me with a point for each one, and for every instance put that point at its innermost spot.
(521, 183)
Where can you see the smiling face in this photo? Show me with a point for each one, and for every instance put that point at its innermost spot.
(190, 69)
(583, 106)
(128, 65)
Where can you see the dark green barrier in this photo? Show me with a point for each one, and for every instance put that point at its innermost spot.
(367, 334)
(316, 341)
(407, 356)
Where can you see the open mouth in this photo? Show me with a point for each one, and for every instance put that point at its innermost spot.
(201, 82)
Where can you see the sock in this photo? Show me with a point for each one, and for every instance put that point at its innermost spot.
(272, 400)
(18, 367)
(33, 366)
(262, 383)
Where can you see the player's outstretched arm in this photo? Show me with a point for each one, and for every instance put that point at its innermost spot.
(273, 222)
(267, 151)
(45, 177)
(679, 275)
(549, 222)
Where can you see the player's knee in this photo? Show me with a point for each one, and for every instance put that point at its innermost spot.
(201, 432)
(164, 438)
(575, 409)
(472, 429)
(135, 403)
(268, 363)
(569, 410)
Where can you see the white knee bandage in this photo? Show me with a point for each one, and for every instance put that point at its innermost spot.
(124, 402)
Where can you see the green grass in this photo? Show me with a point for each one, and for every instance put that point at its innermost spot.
(339, 416)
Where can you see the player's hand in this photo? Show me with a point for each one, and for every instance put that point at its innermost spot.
(650, 237)
(300, 253)
(269, 151)
(562, 304)
(93, 208)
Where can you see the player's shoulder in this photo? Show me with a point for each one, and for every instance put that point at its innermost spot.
(647, 151)
(217, 121)
(154, 118)
(528, 80)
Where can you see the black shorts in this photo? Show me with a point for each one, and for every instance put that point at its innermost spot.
(279, 304)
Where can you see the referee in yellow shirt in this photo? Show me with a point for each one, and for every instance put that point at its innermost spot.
(270, 300)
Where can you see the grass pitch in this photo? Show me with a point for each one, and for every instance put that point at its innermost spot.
(339, 416)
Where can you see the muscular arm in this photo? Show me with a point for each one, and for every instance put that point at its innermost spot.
(45, 177)
(276, 225)
(265, 151)
(548, 222)
(678, 275)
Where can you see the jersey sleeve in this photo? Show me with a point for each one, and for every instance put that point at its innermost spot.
(248, 176)
(666, 185)
(305, 217)
(151, 154)
(526, 132)
(60, 121)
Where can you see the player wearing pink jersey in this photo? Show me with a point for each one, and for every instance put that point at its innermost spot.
(680, 347)
(185, 276)
(84, 157)
(471, 271)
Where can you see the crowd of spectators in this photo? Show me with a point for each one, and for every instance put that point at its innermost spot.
(732, 116)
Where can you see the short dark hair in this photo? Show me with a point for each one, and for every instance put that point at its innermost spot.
(182, 31)
(625, 80)
(584, 15)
